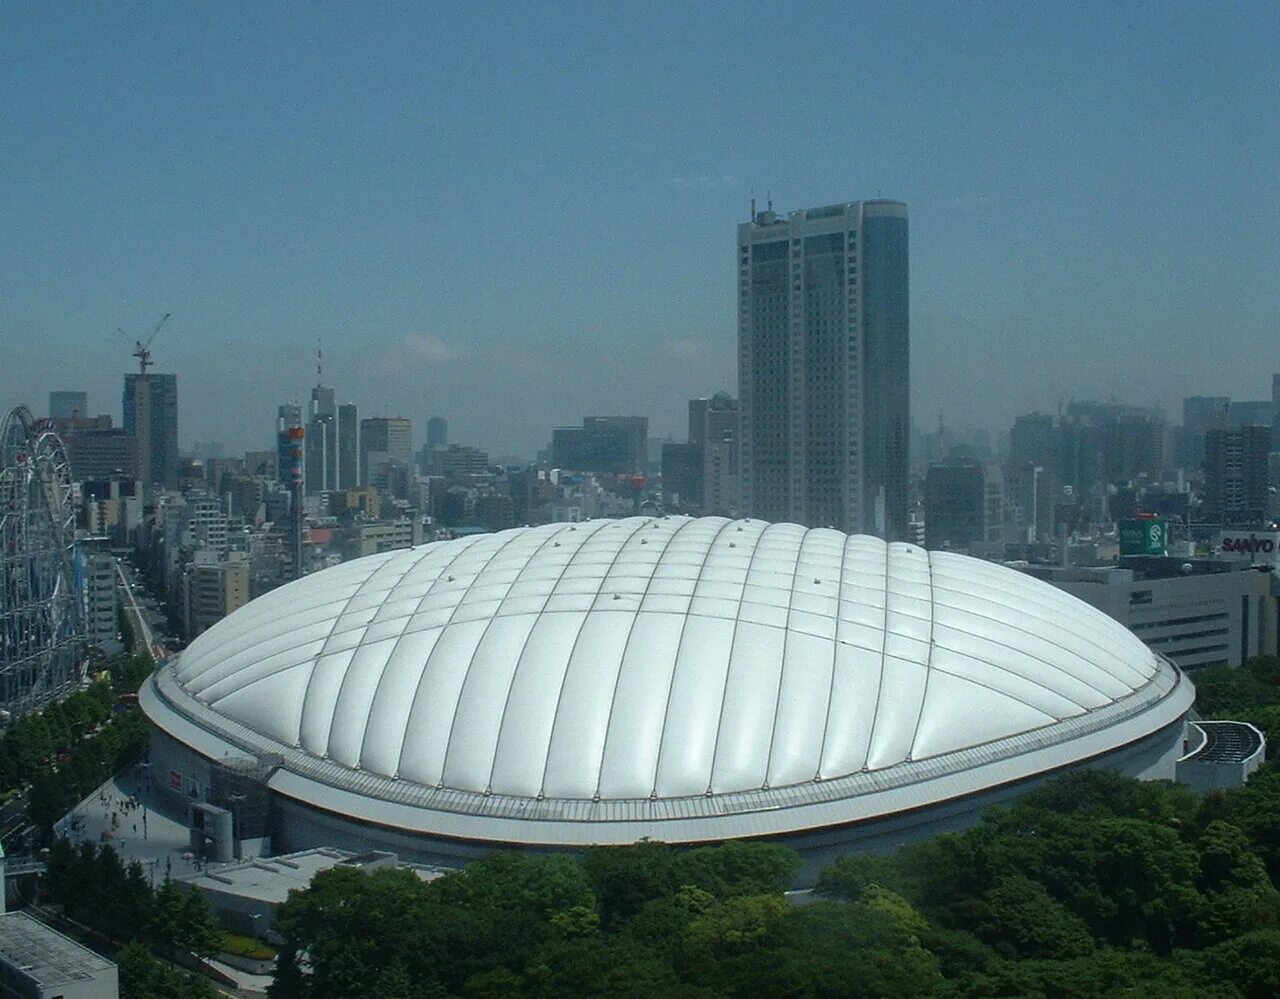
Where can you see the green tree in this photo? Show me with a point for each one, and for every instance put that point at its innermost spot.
(1250, 962)
(1017, 916)
(197, 930)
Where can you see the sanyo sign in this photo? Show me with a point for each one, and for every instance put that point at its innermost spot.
(1254, 546)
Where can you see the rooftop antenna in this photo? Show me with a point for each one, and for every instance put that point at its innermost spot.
(768, 201)
(753, 204)
(319, 363)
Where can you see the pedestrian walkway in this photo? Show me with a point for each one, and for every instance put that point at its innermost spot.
(137, 824)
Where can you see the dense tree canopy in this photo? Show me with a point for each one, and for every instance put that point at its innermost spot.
(1092, 885)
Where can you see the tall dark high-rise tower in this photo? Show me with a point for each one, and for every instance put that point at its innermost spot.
(322, 441)
(151, 416)
(823, 363)
(348, 446)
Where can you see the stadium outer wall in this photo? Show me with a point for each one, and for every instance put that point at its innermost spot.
(176, 770)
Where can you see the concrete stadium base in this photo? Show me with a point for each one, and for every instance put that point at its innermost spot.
(178, 774)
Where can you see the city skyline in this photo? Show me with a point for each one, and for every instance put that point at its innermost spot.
(1062, 169)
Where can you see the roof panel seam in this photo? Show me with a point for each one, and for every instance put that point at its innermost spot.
(568, 664)
(684, 625)
(488, 626)
(622, 660)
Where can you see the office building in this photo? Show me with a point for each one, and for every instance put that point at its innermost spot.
(1033, 440)
(823, 358)
(682, 476)
(375, 537)
(1275, 412)
(102, 454)
(212, 589)
(459, 460)
(963, 505)
(1236, 467)
(321, 472)
(1199, 413)
(263, 464)
(348, 446)
(151, 416)
(384, 438)
(605, 445)
(437, 432)
(1249, 411)
(1028, 499)
(68, 405)
(713, 427)
(99, 580)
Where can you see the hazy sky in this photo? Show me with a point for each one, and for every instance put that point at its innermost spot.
(524, 213)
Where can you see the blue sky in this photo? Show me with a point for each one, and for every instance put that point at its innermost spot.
(514, 215)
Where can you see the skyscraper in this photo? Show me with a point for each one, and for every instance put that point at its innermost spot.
(151, 416)
(823, 359)
(382, 439)
(606, 445)
(1235, 474)
(68, 405)
(437, 432)
(322, 442)
(713, 428)
(348, 446)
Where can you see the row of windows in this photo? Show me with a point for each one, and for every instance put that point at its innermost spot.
(1200, 650)
(1166, 639)
(1196, 619)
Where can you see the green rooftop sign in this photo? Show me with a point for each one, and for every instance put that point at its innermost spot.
(1148, 536)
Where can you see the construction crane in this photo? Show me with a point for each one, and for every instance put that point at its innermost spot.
(142, 351)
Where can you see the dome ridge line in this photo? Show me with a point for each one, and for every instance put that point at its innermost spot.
(408, 621)
(515, 670)
(835, 656)
(337, 619)
(443, 574)
(1011, 623)
(626, 648)
(733, 641)
(488, 625)
(884, 644)
(1031, 655)
(684, 626)
(1091, 637)
(346, 674)
(928, 661)
(782, 665)
(568, 662)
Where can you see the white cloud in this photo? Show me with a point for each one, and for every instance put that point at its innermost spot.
(705, 182)
(430, 347)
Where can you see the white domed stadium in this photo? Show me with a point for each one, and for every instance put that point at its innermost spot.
(685, 680)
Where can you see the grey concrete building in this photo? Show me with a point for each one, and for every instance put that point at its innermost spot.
(68, 405)
(823, 364)
(38, 962)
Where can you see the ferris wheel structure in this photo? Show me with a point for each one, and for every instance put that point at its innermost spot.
(41, 633)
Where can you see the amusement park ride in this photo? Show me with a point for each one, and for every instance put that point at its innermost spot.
(41, 643)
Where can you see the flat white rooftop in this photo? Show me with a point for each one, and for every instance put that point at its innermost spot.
(270, 879)
(45, 956)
